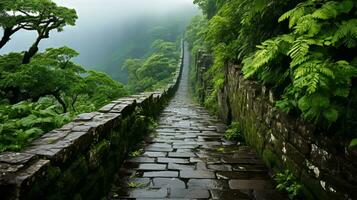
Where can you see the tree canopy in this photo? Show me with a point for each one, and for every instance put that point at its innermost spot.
(41, 16)
(40, 91)
(155, 70)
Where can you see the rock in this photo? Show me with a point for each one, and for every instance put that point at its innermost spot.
(156, 174)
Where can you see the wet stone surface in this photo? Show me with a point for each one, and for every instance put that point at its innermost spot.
(187, 158)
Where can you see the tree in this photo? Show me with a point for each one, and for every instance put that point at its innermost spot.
(209, 7)
(100, 88)
(41, 16)
(50, 73)
(155, 70)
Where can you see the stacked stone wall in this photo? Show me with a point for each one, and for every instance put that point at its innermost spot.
(323, 164)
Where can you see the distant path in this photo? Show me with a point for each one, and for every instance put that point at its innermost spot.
(188, 159)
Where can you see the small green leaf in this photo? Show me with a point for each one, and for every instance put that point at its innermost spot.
(353, 143)
(304, 103)
(331, 114)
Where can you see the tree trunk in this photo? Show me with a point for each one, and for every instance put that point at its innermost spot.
(74, 102)
(60, 101)
(34, 48)
(6, 37)
(30, 53)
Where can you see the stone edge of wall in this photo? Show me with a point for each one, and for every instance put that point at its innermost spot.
(325, 167)
(327, 171)
(19, 171)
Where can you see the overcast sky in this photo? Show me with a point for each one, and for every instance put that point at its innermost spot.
(101, 22)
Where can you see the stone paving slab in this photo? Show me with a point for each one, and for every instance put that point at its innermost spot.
(197, 174)
(169, 174)
(187, 158)
(168, 183)
(152, 167)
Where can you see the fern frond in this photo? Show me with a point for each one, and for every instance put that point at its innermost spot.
(347, 30)
(332, 9)
(294, 14)
(307, 24)
(268, 51)
(299, 50)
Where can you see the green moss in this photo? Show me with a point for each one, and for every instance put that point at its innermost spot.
(234, 132)
(101, 148)
(77, 197)
(53, 172)
(313, 186)
(253, 138)
(73, 175)
(271, 160)
(98, 153)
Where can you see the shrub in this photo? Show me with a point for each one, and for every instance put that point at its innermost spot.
(234, 132)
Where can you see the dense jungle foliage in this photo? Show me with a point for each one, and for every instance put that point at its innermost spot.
(155, 70)
(41, 91)
(304, 50)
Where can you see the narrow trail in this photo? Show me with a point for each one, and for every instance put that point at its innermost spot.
(188, 159)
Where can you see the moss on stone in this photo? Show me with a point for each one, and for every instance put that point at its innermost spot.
(98, 153)
(53, 173)
(271, 159)
(314, 187)
(73, 175)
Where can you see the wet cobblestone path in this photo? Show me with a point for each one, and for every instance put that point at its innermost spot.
(188, 159)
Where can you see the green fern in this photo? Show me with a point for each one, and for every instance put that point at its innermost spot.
(332, 9)
(347, 32)
(315, 75)
(268, 51)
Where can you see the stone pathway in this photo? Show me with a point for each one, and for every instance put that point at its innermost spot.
(188, 159)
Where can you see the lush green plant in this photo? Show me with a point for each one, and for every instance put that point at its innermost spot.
(136, 184)
(319, 77)
(353, 143)
(288, 183)
(41, 16)
(135, 153)
(155, 70)
(234, 132)
(41, 91)
(194, 38)
(303, 50)
(21, 123)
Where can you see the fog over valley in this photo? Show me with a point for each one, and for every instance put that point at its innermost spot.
(109, 31)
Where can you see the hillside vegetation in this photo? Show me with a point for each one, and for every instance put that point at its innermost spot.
(305, 51)
(41, 91)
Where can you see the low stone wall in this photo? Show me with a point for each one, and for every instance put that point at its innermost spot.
(327, 169)
(79, 160)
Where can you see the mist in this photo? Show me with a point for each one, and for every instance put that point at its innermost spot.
(109, 31)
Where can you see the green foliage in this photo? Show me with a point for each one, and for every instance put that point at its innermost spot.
(288, 183)
(155, 70)
(21, 123)
(234, 132)
(303, 50)
(209, 7)
(42, 91)
(194, 37)
(136, 153)
(100, 89)
(136, 184)
(353, 143)
(233, 32)
(319, 78)
(41, 16)
(54, 84)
